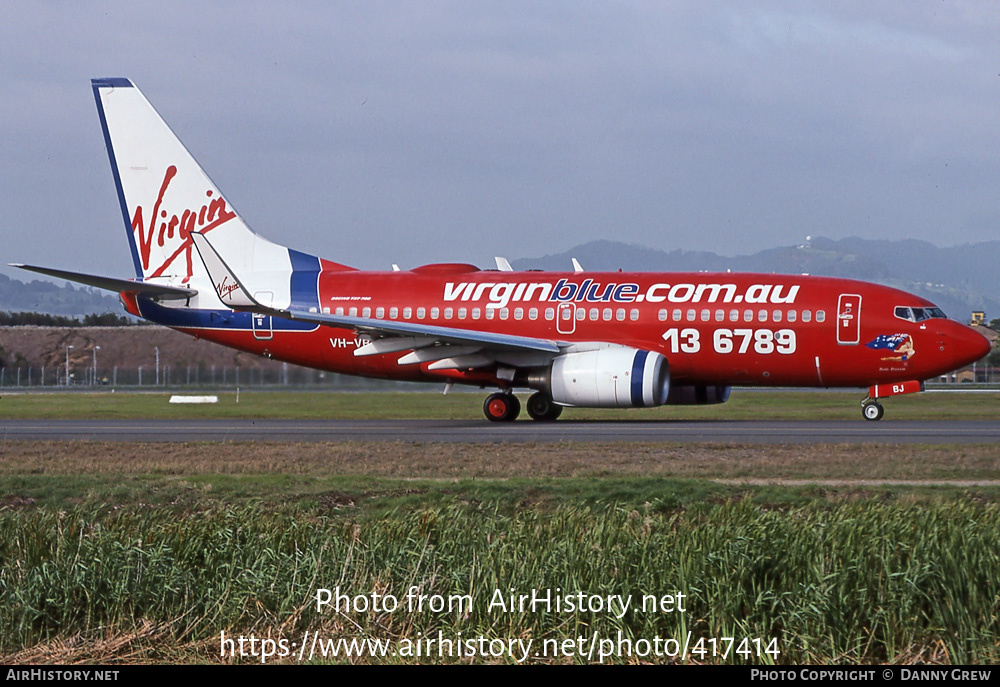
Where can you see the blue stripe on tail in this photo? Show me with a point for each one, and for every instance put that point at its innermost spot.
(304, 282)
(96, 84)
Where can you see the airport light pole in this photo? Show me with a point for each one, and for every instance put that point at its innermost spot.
(94, 350)
(157, 349)
(67, 364)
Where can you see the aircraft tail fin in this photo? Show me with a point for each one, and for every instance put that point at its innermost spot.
(165, 195)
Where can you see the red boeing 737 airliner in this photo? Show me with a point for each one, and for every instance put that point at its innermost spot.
(577, 339)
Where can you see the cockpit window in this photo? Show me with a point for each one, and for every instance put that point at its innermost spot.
(918, 314)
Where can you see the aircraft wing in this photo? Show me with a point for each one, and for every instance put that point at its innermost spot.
(443, 347)
(112, 284)
(446, 335)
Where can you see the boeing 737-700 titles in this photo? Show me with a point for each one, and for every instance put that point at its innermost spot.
(576, 339)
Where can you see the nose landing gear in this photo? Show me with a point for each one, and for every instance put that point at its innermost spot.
(872, 410)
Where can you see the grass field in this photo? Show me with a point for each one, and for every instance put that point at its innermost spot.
(743, 405)
(117, 552)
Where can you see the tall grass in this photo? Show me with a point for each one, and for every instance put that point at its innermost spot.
(856, 582)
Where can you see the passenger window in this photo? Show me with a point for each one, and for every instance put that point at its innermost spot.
(677, 315)
(662, 315)
(734, 315)
(491, 313)
(354, 312)
(620, 314)
(821, 315)
(806, 315)
(581, 314)
(367, 312)
(607, 314)
(762, 316)
(594, 314)
(448, 313)
(394, 312)
(533, 314)
(691, 315)
(435, 313)
(340, 311)
(462, 313)
(475, 313)
(421, 313)
(634, 314)
(776, 316)
(550, 313)
(706, 315)
(518, 313)
(748, 315)
(720, 315)
(380, 313)
(792, 315)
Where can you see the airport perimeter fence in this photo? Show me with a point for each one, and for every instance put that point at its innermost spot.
(282, 376)
(191, 376)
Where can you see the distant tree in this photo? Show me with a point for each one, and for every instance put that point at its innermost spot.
(24, 319)
(106, 320)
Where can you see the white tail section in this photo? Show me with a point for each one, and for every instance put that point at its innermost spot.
(165, 195)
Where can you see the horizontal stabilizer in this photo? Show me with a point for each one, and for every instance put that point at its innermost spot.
(111, 284)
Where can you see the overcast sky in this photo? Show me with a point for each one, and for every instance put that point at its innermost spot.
(412, 132)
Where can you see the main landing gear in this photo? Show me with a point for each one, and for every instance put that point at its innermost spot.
(501, 407)
(541, 407)
(504, 407)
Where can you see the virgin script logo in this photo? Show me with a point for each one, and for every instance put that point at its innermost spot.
(172, 230)
(226, 289)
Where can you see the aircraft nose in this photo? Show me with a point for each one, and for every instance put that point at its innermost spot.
(969, 346)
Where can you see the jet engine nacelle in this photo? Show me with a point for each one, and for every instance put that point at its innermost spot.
(697, 394)
(609, 377)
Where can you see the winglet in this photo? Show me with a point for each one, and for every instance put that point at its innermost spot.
(577, 267)
(503, 265)
(231, 290)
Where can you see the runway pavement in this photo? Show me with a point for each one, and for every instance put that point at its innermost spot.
(481, 431)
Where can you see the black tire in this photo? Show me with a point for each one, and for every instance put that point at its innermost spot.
(872, 411)
(542, 408)
(515, 407)
(501, 407)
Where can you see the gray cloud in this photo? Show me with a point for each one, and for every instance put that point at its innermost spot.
(372, 133)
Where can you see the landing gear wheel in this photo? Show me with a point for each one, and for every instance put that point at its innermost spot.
(501, 407)
(542, 408)
(872, 411)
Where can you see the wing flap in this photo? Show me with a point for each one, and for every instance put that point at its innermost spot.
(394, 345)
(435, 353)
